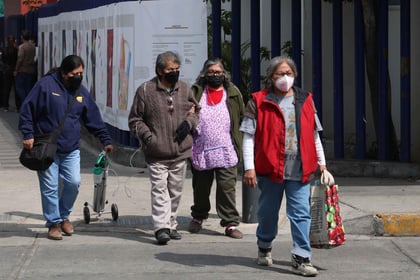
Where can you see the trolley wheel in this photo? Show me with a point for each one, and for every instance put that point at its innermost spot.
(86, 214)
(114, 211)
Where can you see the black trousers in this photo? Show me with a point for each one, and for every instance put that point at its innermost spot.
(202, 182)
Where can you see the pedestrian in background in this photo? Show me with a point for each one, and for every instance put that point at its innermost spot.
(32, 40)
(25, 68)
(3, 97)
(41, 113)
(217, 147)
(281, 150)
(163, 113)
(9, 58)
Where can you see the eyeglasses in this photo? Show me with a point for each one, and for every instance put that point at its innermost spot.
(170, 104)
(290, 74)
(215, 73)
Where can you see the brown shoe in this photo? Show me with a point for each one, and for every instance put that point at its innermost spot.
(195, 225)
(233, 231)
(54, 232)
(67, 227)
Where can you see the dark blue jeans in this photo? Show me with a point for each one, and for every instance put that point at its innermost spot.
(24, 82)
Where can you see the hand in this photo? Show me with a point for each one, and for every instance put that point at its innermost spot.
(327, 178)
(182, 131)
(28, 143)
(192, 110)
(109, 149)
(250, 178)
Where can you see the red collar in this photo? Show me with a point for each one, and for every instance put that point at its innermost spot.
(214, 96)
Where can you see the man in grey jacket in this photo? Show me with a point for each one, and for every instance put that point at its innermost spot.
(163, 113)
(25, 68)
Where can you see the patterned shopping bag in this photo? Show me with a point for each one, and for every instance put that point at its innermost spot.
(327, 230)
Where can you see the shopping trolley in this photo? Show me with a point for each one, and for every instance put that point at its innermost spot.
(100, 174)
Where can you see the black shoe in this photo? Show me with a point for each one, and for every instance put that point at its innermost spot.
(195, 225)
(162, 236)
(175, 235)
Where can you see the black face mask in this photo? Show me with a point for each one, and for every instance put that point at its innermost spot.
(171, 77)
(73, 83)
(215, 81)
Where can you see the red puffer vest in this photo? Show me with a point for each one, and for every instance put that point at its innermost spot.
(271, 131)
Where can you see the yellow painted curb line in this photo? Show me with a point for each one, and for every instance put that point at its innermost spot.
(400, 223)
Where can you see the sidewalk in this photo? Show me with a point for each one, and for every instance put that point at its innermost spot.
(374, 212)
(373, 206)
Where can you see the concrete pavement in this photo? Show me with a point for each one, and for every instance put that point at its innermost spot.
(106, 249)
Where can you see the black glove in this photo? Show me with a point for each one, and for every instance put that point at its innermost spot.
(147, 140)
(182, 131)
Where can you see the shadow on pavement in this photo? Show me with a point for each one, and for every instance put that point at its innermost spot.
(203, 260)
(25, 215)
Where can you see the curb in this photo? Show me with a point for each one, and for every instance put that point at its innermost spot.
(399, 224)
(373, 168)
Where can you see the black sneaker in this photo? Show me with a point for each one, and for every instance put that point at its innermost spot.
(175, 235)
(162, 236)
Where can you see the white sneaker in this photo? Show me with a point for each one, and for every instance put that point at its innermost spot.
(303, 266)
(264, 259)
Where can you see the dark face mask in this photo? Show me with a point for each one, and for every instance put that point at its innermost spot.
(215, 81)
(171, 77)
(73, 83)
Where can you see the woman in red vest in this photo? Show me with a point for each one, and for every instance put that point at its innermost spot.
(281, 149)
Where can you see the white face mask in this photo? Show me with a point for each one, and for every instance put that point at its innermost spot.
(284, 83)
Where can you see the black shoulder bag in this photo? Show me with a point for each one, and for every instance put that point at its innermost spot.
(44, 149)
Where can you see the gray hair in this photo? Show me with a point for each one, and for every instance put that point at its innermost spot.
(163, 58)
(274, 63)
(201, 79)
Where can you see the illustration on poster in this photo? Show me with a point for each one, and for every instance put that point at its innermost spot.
(123, 77)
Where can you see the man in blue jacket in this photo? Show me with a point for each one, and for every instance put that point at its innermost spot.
(41, 113)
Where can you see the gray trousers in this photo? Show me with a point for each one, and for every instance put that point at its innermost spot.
(167, 181)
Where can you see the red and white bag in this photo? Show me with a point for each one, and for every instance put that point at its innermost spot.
(327, 230)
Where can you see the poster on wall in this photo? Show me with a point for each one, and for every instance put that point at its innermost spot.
(119, 44)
